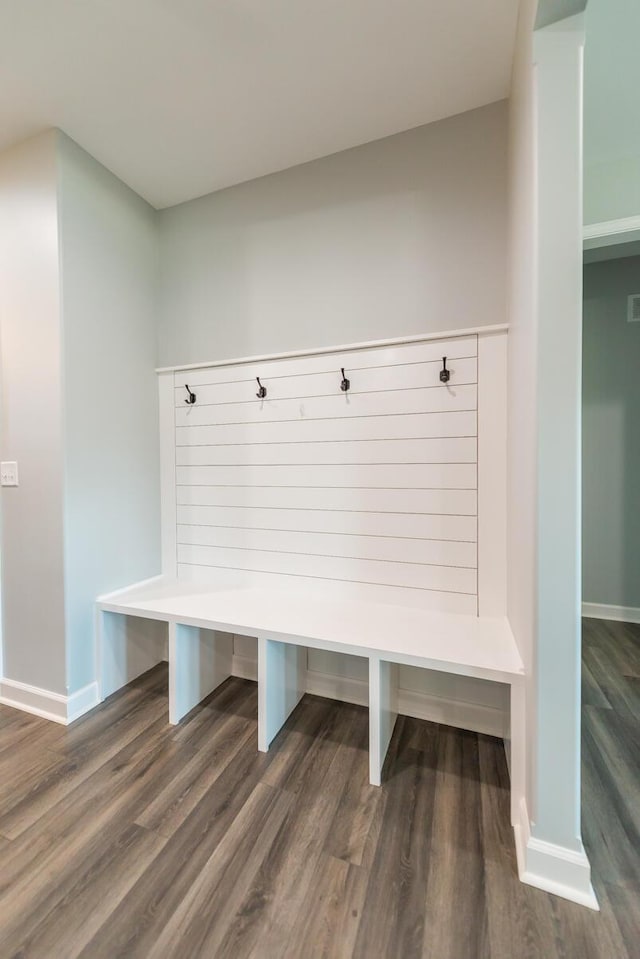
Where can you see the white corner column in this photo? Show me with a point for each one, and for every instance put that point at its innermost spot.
(199, 661)
(383, 713)
(548, 836)
(281, 686)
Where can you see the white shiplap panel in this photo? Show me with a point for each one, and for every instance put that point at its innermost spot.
(433, 399)
(431, 476)
(409, 426)
(408, 377)
(444, 450)
(372, 492)
(304, 542)
(424, 526)
(437, 501)
(442, 578)
(227, 578)
(366, 358)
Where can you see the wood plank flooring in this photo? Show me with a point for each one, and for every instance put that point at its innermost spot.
(122, 836)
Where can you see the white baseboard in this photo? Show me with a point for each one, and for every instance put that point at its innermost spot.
(556, 869)
(82, 701)
(620, 614)
(46, 704)
(344, 688)
(453, 712)
(245, 667)
(473, 716)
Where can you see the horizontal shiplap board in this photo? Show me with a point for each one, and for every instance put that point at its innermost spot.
(430, 476)
(391, 549)
(442, 578)
(446, 501)
(434, 399)
(304, 385)
(228, 578)
(441, 450)
(411, 426)
(425, 526)
(367, 358)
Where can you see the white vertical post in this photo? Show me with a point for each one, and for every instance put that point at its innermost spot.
(281, 686)
(383, 712)
(517, 735)
(199, 660)
(166, 398)
(492, 474)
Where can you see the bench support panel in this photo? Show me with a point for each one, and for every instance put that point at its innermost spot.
(281, 686)
(199, 660)
(383, 712)
(517, 734)
(127, 647)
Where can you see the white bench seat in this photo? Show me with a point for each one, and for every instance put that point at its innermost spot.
(285, 623)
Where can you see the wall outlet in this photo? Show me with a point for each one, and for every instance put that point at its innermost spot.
(8, 474)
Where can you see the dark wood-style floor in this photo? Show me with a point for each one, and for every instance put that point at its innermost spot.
(124, 837)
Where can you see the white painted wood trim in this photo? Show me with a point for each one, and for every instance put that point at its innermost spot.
(142, 584)
(610, 232)
(383, 713)
(556, 869)
(199, 661)
(619, 614)
(48, 705)
(492, 474)
(349, 347)
(281, 669)
(516, 747)
(82, 701)
(477, 717)
(167, 415)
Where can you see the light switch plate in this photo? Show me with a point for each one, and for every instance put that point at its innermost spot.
(8, 474)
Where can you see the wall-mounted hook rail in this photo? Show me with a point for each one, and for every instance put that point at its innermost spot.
(262, 390)
(192, 396)
(345, 384)
(445, 374)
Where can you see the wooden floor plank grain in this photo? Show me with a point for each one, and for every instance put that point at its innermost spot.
(123, 837)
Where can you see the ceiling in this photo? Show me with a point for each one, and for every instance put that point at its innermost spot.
(182, 97)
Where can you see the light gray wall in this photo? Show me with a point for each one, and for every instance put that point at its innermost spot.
(611, 435)
(32, 548)
(401, 236)
(611, 115)
(108, 247)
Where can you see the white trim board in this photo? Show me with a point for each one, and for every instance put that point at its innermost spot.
(556, 869)
(476, 717)
(611, 232)
(46, 704)
(618, 614)
(345, 348)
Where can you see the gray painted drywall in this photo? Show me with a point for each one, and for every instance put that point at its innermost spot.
(611, 111)
(108, 248)
(402, 236)
(32, 535)
(611, 437)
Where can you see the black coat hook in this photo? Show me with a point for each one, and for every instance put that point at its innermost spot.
(262, 390)
(346, 384)
(445, 374)
(192, 396)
